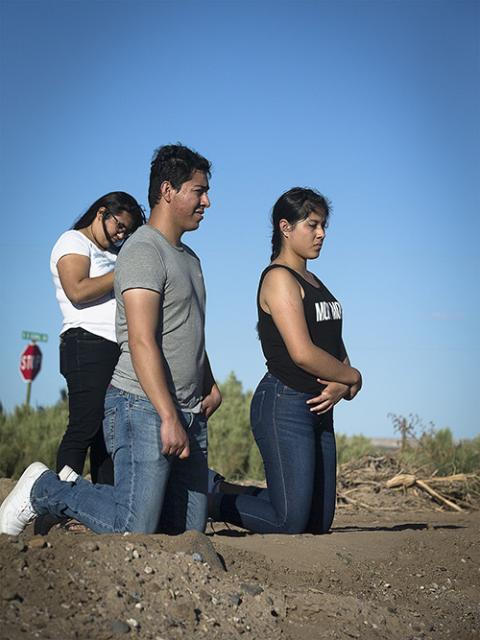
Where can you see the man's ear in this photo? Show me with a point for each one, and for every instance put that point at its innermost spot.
(166, 190)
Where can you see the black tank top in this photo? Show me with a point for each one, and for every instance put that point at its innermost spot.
(323, 314)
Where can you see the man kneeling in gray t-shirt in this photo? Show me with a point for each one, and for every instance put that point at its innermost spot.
(162, 390)
(163, 368)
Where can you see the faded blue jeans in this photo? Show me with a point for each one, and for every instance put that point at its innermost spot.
(152, 492)
(299, 456)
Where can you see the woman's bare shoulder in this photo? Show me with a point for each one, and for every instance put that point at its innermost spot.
(280, 280)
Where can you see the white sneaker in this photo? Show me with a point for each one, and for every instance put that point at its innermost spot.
(17, 511)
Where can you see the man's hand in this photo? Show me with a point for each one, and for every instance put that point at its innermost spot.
(333, 393)
(212, 401)
(174, 439)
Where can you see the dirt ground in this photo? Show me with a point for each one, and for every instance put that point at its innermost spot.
(386, 571)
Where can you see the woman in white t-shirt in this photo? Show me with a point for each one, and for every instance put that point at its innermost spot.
(82, 263)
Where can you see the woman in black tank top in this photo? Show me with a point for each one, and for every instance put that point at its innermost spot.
(300, 329)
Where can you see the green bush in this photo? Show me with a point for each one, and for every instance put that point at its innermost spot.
(435, 451)
(232, 450)
(438, 453)
(34, 434)
(353, 447)
(30, 434)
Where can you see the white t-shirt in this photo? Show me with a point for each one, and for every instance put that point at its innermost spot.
(97, 316)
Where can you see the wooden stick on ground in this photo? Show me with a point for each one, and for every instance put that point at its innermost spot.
(408, 480)
(402, 480)
(458, 477)
(357, 503)
(423, 485)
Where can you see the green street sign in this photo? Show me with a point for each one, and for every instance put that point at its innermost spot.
(34, 336)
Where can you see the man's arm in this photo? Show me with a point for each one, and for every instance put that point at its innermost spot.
(142, 314)
(212, 398)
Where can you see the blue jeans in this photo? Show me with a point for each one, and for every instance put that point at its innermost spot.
(299, 456)
(152, 492)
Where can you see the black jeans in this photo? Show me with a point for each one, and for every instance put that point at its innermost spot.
(87, 362)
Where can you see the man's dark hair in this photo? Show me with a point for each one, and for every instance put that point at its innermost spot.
(176, 164)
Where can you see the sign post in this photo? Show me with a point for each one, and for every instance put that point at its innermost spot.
(31, 359)
(30, 363)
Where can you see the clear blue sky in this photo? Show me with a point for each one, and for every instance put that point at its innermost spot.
(375, 103)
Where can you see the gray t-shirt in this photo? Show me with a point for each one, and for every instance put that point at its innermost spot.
(149, 261)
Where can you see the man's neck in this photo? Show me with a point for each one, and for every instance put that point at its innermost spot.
(161, 221)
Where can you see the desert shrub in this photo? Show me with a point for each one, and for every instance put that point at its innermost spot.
(434, 450)
(34, 434)
(352, 447)
(407, 429)
(440, 454)
(232, 449)
(30, 434)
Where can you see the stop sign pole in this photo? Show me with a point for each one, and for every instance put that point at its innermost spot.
(30, 363)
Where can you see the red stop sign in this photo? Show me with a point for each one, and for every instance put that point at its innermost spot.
(30, 362)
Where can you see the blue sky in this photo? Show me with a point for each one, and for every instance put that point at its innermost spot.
(375, 103)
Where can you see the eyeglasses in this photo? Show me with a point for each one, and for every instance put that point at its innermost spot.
(121, 228)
